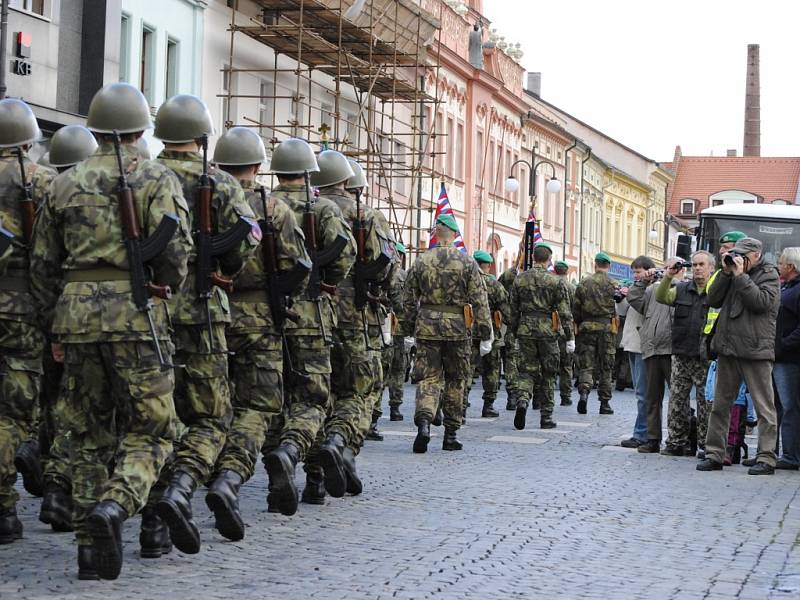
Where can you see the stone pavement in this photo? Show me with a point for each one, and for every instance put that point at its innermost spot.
(532, 514)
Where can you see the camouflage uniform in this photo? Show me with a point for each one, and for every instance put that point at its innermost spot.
(510, 348)
(202, 395)
(489, 365)
(565, 359)
(256, 365)
(395, 374)
(535, 297)
(595, 317)
(309, 350)
(439, 284)
(121, 405)
(21, 340)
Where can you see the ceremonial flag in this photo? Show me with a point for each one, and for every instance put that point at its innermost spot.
(530, 238)
(443, 208)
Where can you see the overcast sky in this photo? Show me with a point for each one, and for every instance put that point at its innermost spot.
(656, 74)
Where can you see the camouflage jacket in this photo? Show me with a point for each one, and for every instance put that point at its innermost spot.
(507, 278)
(329, 225)
(228, 204)
(498, 302)
(571, 297)
(249, 315)
(79, 229)
(379, 311)
(439, 284)
(593, 308)
(16, 303)
(536, 295)
(396, 286)
(375, 242)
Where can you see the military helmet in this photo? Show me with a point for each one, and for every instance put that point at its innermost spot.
(240, 146)
(18, 125)
(333, 169)
(359, 179)
(293, 156)
(118, 107)
(183, 118)
(70, 145)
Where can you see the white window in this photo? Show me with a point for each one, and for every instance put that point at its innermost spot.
(400, 176)
(266, 107)
(687, 207)
(125, 48)
(780, 202)
(171, 74)
(326, 116)
(146, 66)
(42, 8)
(226, 87)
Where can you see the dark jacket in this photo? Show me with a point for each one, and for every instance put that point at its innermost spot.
(748, 309)
(690, 317)
(656, 329)
(787, 330)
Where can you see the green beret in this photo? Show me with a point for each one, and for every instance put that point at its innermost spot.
(561, 264)
(602, 257)
(543, 245)
(448, 221)
(400, 247)
(732, 236)
(482, 256)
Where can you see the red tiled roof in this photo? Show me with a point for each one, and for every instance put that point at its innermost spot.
(699, 177)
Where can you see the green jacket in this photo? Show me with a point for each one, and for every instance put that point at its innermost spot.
(535, 296)
(593, 308)
(498, 302)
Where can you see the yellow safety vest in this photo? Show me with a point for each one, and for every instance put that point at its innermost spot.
(713, 313)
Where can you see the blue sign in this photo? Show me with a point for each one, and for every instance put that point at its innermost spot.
(620, 271)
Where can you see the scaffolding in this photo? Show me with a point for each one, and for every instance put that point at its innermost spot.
(349, 75)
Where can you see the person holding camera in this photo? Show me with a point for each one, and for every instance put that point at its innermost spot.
(748, 295)
(689, 357)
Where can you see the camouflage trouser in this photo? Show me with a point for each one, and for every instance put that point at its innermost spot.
(595, 349)
(122, 420)
(510, 370)
(387, 356)
(397, 371)
(441, 369)
(54, 435)
(489, 368)
(202, 398)
(256, 379)
(351, 383)
(20, 376)
(309, 397)
(372, 404)
(564, 369)
(538, 367)
(687, 372)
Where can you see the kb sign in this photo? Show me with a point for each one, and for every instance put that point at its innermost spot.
(21, 64)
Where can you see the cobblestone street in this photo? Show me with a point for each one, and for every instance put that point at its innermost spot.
(534, 514)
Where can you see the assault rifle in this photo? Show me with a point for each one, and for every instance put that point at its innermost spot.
(319, 260)
(209, 244)
(142, 250)
(280, 285)
(26, 204)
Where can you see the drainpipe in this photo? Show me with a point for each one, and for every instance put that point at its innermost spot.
(564, 220)
(603, 200)
(3, 45)
(580, 239)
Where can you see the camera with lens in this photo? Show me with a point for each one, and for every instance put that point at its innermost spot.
(728, 259)
(619, 295)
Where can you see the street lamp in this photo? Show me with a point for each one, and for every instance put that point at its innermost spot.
(653, 235)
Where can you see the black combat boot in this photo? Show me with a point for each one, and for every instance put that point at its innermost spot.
(354, 485)
(511, 403)
(280, 468)
(10, 525)
(272, 501)
(547, 423)
(28, 463)
(583, 399)
(423, 436)
(566, 402)
(605, 408)
(314, 492)
(154, 539)
(56, 508)
(175, 507)
(330, 457)
(438, 418)
(373, 434)
(519, 417)
(488, 411)
(395, 414)
(105, 526)
(535, 403)
(450, 442)
(223, 500)
(86, 569)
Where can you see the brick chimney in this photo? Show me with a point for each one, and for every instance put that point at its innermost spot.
(752, 104)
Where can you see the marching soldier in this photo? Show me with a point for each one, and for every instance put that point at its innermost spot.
(540, 313)
(445, 304)
(396, 369)
(255, 333)
(202, 398)
(309, 336)
(499, 310)
(561, 269)
(596, 321)
(22, 187)
(82, 277)
(510, 346)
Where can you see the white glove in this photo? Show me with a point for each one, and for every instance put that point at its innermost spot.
(386, 330)
(486, 347)
(408, 343)
(571, 347)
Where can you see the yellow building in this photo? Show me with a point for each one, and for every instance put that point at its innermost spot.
(627, 202)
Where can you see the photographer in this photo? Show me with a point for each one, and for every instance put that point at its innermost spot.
(656, 337)
(689, 360)
(748, 294)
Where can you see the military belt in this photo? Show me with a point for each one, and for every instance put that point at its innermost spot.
(445, 308)
(97, 275)
(248, 296)
(542, 313)
(605, 320)
(15, 280)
